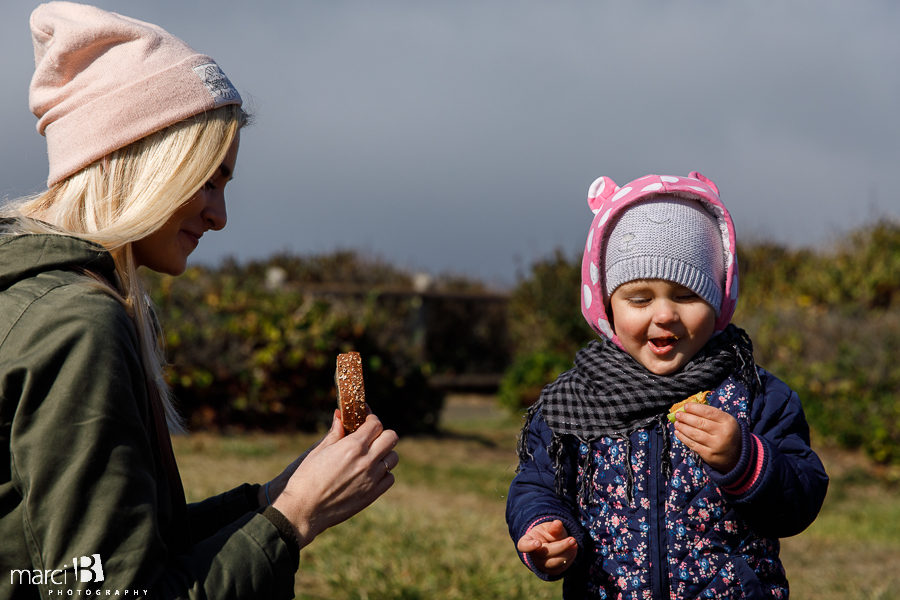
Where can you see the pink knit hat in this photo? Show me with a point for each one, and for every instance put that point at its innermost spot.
(103, 81)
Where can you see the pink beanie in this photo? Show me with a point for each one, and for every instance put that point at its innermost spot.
(103, 81)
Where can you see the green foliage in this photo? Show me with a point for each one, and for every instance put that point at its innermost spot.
(828, 323)
(527, 375)
(251, 350)
(860, 272)
(825, 321)
(545, 308)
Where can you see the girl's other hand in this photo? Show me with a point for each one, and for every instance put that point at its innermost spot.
(551, 548)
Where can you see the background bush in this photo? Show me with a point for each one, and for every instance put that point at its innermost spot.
(250, 346)
(828, 323)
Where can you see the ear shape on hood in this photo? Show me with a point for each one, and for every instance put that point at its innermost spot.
(600, 190)
(706, 180)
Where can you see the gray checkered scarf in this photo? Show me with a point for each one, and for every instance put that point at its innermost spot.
(610, 394)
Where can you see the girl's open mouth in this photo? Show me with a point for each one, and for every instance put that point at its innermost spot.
(662, 345)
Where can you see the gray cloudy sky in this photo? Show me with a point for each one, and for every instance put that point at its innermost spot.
(462, 136)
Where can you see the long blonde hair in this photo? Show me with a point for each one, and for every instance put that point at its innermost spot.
(126, 196)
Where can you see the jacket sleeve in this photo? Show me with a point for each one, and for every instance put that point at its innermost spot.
(779, 484)
(83, 462)
(532, 495)
(208, 516)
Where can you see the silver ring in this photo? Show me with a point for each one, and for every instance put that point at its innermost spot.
(386, 467)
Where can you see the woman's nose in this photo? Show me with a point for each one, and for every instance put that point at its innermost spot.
(214, 213)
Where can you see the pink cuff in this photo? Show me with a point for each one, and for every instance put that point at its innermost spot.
(754, 467)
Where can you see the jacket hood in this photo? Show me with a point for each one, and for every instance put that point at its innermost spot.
(26, 255)
(608, 200)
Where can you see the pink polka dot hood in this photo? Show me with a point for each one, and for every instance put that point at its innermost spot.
(608, 201)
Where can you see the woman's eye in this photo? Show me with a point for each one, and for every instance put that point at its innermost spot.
(209, 185)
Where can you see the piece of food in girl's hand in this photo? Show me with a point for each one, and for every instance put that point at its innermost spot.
(699, 397)
(351, 392)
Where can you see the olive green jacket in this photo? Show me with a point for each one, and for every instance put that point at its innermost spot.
(90, 498)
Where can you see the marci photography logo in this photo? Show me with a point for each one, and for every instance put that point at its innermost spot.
(69, 581)
(87, 569)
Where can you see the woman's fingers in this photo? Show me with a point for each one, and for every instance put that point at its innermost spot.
(391, 460)
(341, 476)
(370, 429)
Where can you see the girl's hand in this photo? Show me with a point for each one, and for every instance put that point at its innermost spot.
(550, 546)
(337, 478)
(710, 432)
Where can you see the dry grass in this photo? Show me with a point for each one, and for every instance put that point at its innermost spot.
(440, 531)
(853, 549)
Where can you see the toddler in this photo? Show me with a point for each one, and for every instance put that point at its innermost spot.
(610, 495)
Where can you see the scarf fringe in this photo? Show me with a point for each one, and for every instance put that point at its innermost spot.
(665, 458)
(558, 452)
(665, 454)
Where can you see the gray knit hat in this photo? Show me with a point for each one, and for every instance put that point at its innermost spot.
(669, 238)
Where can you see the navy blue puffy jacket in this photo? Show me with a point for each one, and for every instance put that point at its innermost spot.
(684, 532)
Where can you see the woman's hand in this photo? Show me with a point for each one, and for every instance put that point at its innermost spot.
(336, 478)
(710, 432)
(550, 546)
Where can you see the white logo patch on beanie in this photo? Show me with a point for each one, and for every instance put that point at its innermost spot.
(218, 84)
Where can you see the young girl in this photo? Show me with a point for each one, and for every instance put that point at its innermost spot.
(142, 137)
(612, 496)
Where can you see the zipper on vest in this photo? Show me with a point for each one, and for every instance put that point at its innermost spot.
(659, 581)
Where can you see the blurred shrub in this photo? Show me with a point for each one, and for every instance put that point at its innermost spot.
(545, 308)
(826, 321)
(861, 271)
(464, 332)
(528, 374)
(248, 347)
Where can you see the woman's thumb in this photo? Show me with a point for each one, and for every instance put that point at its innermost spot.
(337, 429)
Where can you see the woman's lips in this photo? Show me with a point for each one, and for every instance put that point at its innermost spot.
(193, 237)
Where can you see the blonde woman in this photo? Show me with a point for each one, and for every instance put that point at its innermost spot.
(142, 136)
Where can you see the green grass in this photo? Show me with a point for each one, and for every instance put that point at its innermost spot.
(853, 549)
(440, 532)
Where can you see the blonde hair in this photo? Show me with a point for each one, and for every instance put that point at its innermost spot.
(126, 196)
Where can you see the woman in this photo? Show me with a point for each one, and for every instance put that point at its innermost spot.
(142, 136)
